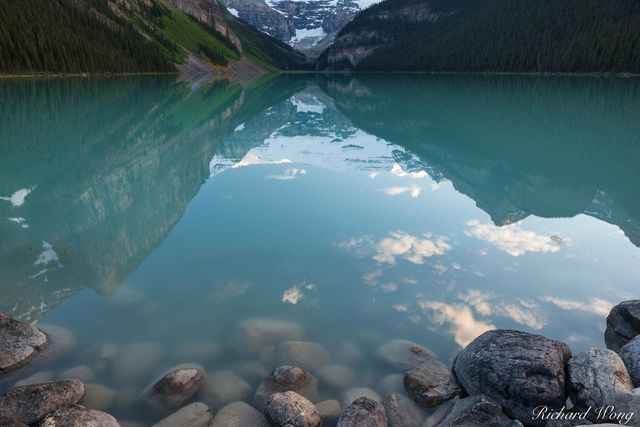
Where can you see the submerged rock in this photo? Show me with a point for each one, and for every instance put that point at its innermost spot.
(329, 411)
(19, 342)
(307, 355)
(477, 411)
(597, 378)
(630, 355)
(135, 361)
(430, 383)
(404, 355)
(520, 371)
(175, 388)
(78, 416)
(363, 412)
(61, 343)
(196, 414)
(623, 324)
(82, 373)
(402, 411)
(32, 402)
(222, 387)
(348, 353)
(289, 409)
(439, 413)
(37, 378)
(393, 383)
(353, 394)
(252, 370)
(253, 334)
(239, 414)
(286, 378)
(336, 376)
(11, 422)
(99, 397)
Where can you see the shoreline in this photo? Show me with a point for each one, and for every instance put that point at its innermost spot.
(325, 72)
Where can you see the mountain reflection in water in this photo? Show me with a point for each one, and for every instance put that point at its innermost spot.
(95, 173)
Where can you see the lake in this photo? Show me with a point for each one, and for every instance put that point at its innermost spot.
(160, 222)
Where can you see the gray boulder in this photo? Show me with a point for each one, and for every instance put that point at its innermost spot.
(363, 412)
(595, 377)
(19, 342)
(520, 371)
(289, 409)
(477, 411)
(402, 411)
(286, 378)
(175, 388)
(239, 414)
(196, 414)
(630, 355)
(78, 416)
(623, 324)
(430, 383)
(30, 403)
(352, 394)
(403, 355)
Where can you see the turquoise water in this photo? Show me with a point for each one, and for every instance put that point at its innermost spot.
(364, 209)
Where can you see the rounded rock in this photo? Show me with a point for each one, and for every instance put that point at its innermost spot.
(307, 355)
(403, 355)
(363, 412)
(329, 411)
(239, 414)
(30, 403)
(19, 342)
(289, 409)
(78, 416)
(402, 411)
(520, 371)
(351, 395)
(286, 378)
(337, 376)
(175, 388)
(630, 355)
(430, 384)
(196, 414)
(623, 324)
(478, 411)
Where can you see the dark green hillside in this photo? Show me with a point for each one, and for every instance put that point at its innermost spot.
(72, 37)
(493, 35)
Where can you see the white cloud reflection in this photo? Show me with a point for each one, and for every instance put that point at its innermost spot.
(396, 170)
(512, 239)
(18, 198)
(289, 174)
(596, 306)
(410, 247)
(464, 326)
(296, 293)
(413, 189)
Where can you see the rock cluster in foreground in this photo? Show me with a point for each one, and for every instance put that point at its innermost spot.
(499, 379)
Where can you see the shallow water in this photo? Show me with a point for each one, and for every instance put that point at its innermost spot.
(363, 209)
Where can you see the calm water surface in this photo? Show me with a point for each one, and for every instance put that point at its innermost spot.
(364, 209)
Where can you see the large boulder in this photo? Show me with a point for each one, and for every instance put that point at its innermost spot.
(286, 378)
(254, 334)
(477, 411)
(363, 412)
(402, 411)
(403, 355)
(196, 414)
(239, 414)
(430, 383)
(520, 371)
(19, 342)
(78, 416)
(623, 324)
(289, 409)
(595, 378)
(305, 354)
(175, 388)
(630, 355)
(30, 403)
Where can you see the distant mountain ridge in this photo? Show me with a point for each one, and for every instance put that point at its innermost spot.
(96, 36)
(490, 36)
(307, 25)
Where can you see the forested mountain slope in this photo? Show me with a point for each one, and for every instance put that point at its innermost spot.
(95, 36)
(491, 35)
